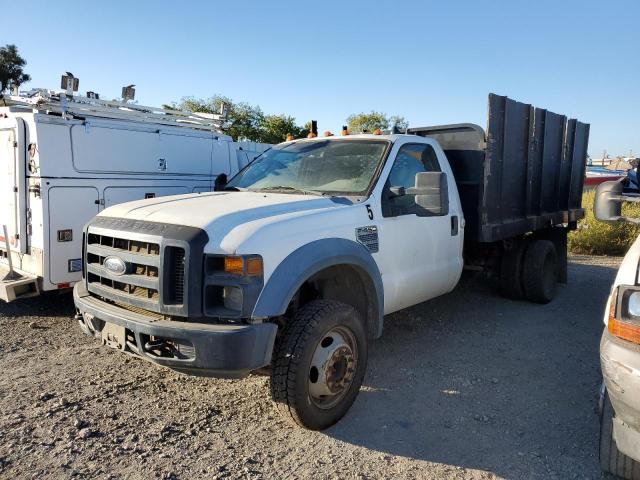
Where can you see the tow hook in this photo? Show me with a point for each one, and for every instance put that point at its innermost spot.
(161, 348)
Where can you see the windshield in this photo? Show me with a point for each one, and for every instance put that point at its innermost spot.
(317, 167)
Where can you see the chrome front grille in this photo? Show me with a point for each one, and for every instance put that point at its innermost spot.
(139, 284)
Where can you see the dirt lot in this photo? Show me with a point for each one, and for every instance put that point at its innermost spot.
(467, 386)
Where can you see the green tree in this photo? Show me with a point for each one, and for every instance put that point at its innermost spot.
(368, 122)
(276, 127)
(11, 71)
(244, 120)
(398, 122)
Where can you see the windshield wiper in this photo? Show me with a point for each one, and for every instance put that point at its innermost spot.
(287, 188)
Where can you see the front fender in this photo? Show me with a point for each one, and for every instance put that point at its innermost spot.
(311, 258)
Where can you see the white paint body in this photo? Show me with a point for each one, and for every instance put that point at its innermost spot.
(627, 272)
(81, 166)
(418, 258)
(620, 363)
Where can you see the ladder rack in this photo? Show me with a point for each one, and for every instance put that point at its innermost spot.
(47, 101)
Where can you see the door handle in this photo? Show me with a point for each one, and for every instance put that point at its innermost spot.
(454, 225)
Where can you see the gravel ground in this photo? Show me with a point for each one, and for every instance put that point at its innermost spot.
(469, 385)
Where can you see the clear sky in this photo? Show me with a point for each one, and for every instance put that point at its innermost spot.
(431, 61)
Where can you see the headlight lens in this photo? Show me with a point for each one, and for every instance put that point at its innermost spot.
(624, 322)
(634, 304)
(232, 284)
(232, 298)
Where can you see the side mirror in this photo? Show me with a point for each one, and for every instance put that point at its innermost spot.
(431, 193)
(607, 206)
(220, 182)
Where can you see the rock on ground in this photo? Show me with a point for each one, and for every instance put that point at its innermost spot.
(469, 385)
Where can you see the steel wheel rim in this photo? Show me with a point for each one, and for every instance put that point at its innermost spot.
(333, 367)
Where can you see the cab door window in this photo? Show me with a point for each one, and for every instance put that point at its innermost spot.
(411, 159)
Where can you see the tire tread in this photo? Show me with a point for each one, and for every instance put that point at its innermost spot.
(613, 460)
(533, 268)
(296, 334)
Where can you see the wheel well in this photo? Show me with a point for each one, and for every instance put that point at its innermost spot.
(345, 283)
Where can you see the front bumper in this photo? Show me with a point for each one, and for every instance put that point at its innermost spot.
(213, 350)
(620, 361)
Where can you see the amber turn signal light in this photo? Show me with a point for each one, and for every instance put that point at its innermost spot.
(254, 266)
(251, 266)
(234, 265)
(624, 330)
(619, 328)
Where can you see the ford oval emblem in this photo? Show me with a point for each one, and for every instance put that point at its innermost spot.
(115, 265)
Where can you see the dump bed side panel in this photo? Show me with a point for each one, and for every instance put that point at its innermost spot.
(533, 170)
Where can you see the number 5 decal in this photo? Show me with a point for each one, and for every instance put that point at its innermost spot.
(369, 212)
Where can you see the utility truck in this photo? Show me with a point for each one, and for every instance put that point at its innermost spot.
(64, 158)
(290, 268)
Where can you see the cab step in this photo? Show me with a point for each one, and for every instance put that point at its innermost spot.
(17, 286)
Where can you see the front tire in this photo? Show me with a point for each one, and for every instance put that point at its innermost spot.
(319, 364)
(613, 460)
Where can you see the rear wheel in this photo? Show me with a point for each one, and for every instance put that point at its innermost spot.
(613, 460)
(319, 364)
(540, 271)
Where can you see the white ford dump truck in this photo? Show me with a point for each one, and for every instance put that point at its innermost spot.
(291, 267)
(64, 158)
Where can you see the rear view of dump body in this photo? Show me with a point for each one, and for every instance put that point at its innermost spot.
(524, 175)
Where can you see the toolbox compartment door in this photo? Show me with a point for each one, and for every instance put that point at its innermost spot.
(103, 147)
(13, 184)
(69, 209)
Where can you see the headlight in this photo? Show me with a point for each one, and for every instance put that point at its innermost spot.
(624, 313)
(232, 284)
(232, 298)
(633, 304)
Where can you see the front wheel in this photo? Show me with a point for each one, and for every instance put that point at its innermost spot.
(613, 460)
(319, 364)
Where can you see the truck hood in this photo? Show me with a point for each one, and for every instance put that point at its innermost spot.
(219, 210)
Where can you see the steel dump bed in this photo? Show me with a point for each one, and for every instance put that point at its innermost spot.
(524, 174)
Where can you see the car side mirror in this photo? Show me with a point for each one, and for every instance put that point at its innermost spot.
(607, 206)
(220, 182)
(431, 193)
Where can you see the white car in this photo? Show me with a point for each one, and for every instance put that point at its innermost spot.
(620, 352)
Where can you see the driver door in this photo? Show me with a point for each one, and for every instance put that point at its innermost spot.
(420, 255)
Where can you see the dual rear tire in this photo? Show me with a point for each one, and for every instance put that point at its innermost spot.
(530, 271)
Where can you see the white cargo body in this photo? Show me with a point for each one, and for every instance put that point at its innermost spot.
(63, 160)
